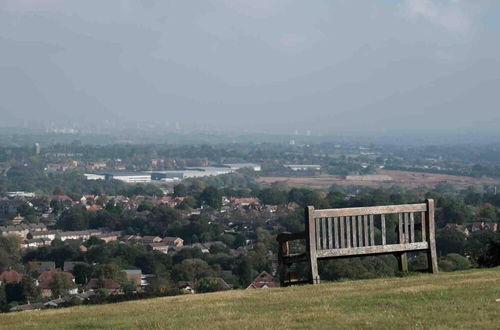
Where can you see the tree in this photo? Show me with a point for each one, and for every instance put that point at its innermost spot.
(3, 297)
(207, 284)
(212, 197)
(75, 218)
(491, 257)
(451, 241)
(9, 251)
(60, 284)
(192, 269)
(82, 273)
(30, 290)
(180, 190)
(488, 212)
(58, 191)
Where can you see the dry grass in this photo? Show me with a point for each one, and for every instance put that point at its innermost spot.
(460, 300)
(399, 178)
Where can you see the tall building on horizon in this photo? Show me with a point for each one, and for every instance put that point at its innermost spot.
(37, 148)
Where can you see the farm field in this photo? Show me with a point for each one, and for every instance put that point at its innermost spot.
(384, 178)
(459, 300)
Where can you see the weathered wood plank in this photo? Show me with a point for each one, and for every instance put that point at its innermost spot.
(401, 237)
(354, 233)
(318, 234)
(424, 226)
(348, 231)
(379, 249)
(336, 232)
(311, 246)
(372, 230)
(412, 228)
(431, 254)
(365, 230)
(382, 225)
(342, 232)
(330, 233)
(407, 227)
(324, 245)
(360, 230)
(353, 211)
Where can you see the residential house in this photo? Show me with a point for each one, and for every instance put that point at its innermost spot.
(480, 226)
(35, 243)
(133, 275)
(17, 220)
(174, 241)
(160, 247)
(109, 236)
(150, 239)
(112, 286)
(46, 278)
(459, 228)
(22, 230)
(263, 281)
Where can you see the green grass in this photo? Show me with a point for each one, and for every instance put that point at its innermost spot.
(446, 301)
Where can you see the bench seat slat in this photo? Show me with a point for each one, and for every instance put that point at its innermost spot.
(379, 249)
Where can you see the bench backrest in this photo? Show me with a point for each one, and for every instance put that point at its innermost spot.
(351, 231)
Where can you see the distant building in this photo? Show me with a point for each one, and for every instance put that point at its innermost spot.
(37, 148)
(237, 166)
(129, 177)
(303, 167)
(91, 176)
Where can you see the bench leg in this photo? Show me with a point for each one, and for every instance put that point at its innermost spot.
(402, 262)
(432, 258)
(313, 262)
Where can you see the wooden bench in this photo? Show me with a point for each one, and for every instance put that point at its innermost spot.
(350, 232)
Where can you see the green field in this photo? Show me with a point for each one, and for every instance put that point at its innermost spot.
(448, 300)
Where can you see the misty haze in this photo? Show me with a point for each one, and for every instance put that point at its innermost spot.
(251, 65)
(249, 164)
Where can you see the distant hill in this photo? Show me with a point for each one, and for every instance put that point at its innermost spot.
(448, 300)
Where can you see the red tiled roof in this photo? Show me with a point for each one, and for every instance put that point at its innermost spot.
(47, 277)
(108, 284)
(10, 276)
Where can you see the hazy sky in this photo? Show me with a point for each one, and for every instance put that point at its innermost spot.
(252, 64)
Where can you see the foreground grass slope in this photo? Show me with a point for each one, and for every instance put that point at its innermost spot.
(447, 300)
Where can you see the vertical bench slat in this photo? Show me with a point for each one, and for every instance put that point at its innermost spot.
(382, 225)
(318, 234)
(336, 231)
(400, 229)
(323, 234)
(342, 232)
(348, 231)
(424, 227)
(407, 227)
(330, 234)
(372, 230)
(412, 227)
(354, 234)
(360, 231)
(365, 229)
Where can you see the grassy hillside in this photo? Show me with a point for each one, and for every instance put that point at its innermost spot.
(447, 300)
